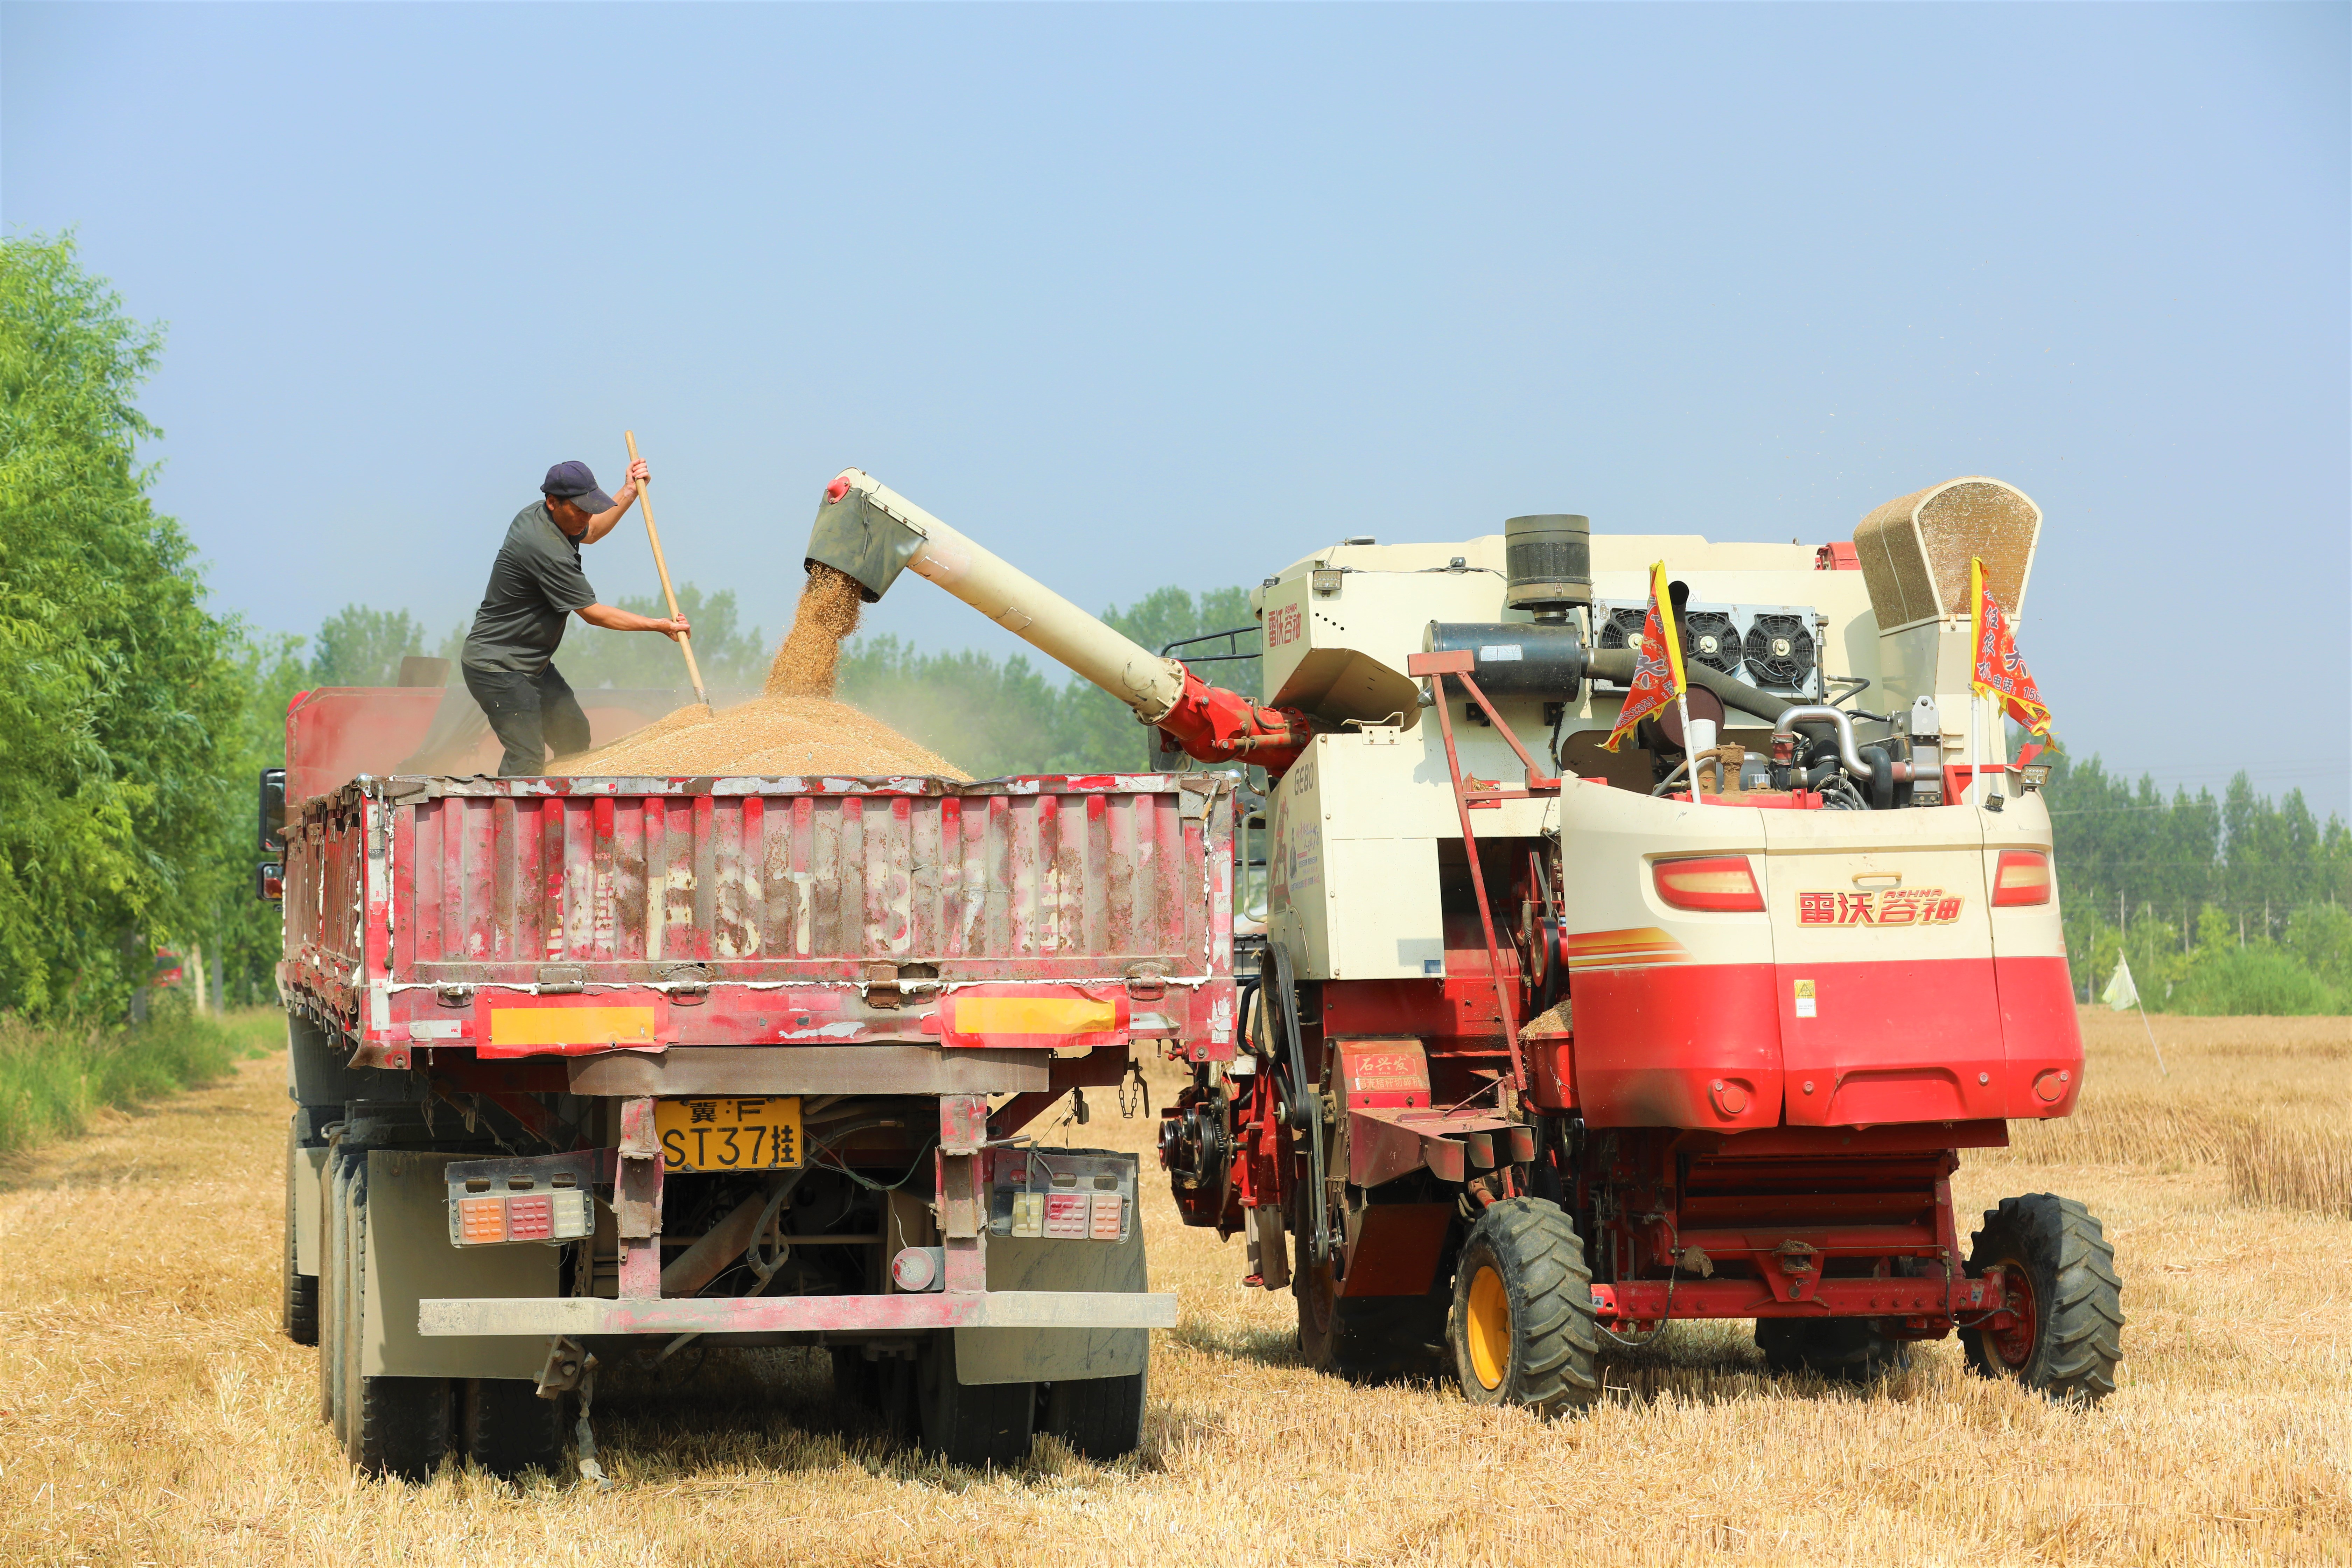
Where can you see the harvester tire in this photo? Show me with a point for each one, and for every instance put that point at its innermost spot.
(298, 1305)
(973, 1424)
(2069, 1340)
(507, 1429)
(1522, 1330)
(1844, 1349)
(1367, 1338)
(1101, 1418)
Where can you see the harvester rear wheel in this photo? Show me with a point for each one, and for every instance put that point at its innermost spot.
(2068, 1337)
(1844, 1350)
(1522, 1330)
(1367, 1338)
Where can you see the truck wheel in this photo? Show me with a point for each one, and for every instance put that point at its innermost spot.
(1522, 1330)
(1844, 1350)
(504, 1426)
(2068, 1338)
(297, 1311)
(880, 1391)
(1099, 1417)
(971, 1424)
(1368, 1337)
(401, 1426)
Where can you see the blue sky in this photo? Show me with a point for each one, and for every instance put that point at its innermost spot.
(1147, 295)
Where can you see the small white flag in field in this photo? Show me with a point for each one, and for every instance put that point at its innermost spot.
(2121, 995)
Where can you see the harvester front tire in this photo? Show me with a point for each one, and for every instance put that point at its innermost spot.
(1844, 1349)
(1099, 1417)
(507, 1429)
(2069, 1340)
(1522, 1330)
(972, 1423)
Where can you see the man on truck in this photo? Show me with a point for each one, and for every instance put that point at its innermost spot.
(536, 582)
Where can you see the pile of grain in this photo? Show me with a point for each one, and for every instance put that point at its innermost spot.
(797, 728)
(768, 736)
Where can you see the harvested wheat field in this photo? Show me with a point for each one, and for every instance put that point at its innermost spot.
(150, 1412)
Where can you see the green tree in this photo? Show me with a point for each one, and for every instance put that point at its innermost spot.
(733, 658)
(359, 647)
(116, 683)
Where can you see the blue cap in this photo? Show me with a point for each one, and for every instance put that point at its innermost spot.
(574, 483)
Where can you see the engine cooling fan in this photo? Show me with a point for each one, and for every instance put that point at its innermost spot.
(1621, 629)
(1780, 651)
(1709, 637)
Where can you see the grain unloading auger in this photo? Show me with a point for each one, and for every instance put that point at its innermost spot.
(1551, 1046)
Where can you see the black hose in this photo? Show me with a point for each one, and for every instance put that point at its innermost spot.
(1881, 777)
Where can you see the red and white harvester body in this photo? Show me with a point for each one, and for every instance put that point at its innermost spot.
(1549, 1046)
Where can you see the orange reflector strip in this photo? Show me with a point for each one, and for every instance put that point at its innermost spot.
(572, 1027)
(1033, 1015)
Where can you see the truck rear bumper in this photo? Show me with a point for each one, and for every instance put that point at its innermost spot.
(584, 1315)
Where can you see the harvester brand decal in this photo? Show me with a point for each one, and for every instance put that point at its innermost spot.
(1890, 907)
(1622, 949)
(1282, 625)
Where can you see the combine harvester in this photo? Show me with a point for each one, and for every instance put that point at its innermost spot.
(1550, 1045)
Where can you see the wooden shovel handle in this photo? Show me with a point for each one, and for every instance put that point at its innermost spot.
(685, 640)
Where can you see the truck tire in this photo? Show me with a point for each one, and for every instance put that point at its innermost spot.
(973, 1424)
(392, 1425)
(1368, 1339)
(1099, 1417)
(1844, 1349)
(298, 1310)
(2064, 1289)
(1522, 1329)
(507, 1429)
(401, 1426)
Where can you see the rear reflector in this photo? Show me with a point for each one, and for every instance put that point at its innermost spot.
(1719, 882)
(2021, 877)
(561, 1214)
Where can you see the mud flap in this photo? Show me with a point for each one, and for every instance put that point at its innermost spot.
(409, 1256)
(1055, 1355)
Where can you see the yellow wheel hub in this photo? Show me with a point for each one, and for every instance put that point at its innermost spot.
(1488, 1328)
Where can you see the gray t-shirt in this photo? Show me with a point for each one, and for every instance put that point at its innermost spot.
(535, 584)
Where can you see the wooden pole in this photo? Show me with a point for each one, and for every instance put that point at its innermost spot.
(685, 641)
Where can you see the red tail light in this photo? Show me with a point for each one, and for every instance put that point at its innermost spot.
(1722, 882)
(838, 489)
(2021, 877)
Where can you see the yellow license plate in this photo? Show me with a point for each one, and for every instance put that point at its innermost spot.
(729, 1133)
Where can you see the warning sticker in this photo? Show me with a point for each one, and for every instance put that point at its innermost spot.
(1805, 1002)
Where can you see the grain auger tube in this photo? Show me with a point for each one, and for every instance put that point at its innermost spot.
(870, 533)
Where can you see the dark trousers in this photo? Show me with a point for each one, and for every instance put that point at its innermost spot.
(529, 713)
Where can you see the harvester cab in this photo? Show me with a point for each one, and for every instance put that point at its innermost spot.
(1555, 1043)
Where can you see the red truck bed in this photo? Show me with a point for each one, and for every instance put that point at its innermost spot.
(571, 917)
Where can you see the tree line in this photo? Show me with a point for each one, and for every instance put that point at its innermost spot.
(134, 720)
